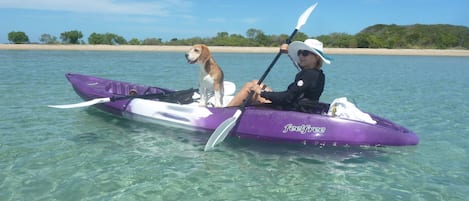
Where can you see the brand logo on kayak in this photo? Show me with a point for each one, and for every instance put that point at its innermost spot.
(304, 128)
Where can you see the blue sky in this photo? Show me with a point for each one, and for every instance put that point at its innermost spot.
(169, 19)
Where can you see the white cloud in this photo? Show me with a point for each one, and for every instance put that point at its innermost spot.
(123, 7)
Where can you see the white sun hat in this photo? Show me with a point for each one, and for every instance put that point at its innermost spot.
(312, 45)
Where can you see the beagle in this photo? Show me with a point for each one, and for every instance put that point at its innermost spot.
(210, 74)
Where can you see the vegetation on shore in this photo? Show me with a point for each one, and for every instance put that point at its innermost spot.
(418, 36)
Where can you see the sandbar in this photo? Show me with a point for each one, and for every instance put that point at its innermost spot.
(231, 49)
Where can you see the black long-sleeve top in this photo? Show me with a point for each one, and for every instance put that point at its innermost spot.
(309, 83)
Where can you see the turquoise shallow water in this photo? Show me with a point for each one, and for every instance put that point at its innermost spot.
(84, 154)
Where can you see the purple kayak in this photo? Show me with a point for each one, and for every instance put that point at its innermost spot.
(177, 108)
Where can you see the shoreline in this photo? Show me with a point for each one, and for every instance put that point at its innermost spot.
(230, 49)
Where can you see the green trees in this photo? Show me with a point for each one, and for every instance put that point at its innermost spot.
(257, 37)
(48, 39)
(341, 40)
(107, 39)
(152, 41)
(71, 37)
(18, 37)
(438, 36)
(225, 39)
(134, 41)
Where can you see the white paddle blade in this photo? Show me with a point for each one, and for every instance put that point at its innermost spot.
(82, 104)
(222, 131)
(304, 17)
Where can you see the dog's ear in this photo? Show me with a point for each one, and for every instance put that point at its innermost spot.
(204, 53)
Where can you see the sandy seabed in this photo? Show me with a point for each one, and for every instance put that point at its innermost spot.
(156, 48)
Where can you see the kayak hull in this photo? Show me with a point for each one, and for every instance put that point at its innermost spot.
(259, 123)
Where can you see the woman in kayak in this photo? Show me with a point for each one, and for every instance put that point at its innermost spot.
(304, 92)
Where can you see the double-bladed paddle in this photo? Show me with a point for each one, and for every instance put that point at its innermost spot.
(225, 127)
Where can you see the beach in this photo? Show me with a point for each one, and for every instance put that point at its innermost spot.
(156, 48)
